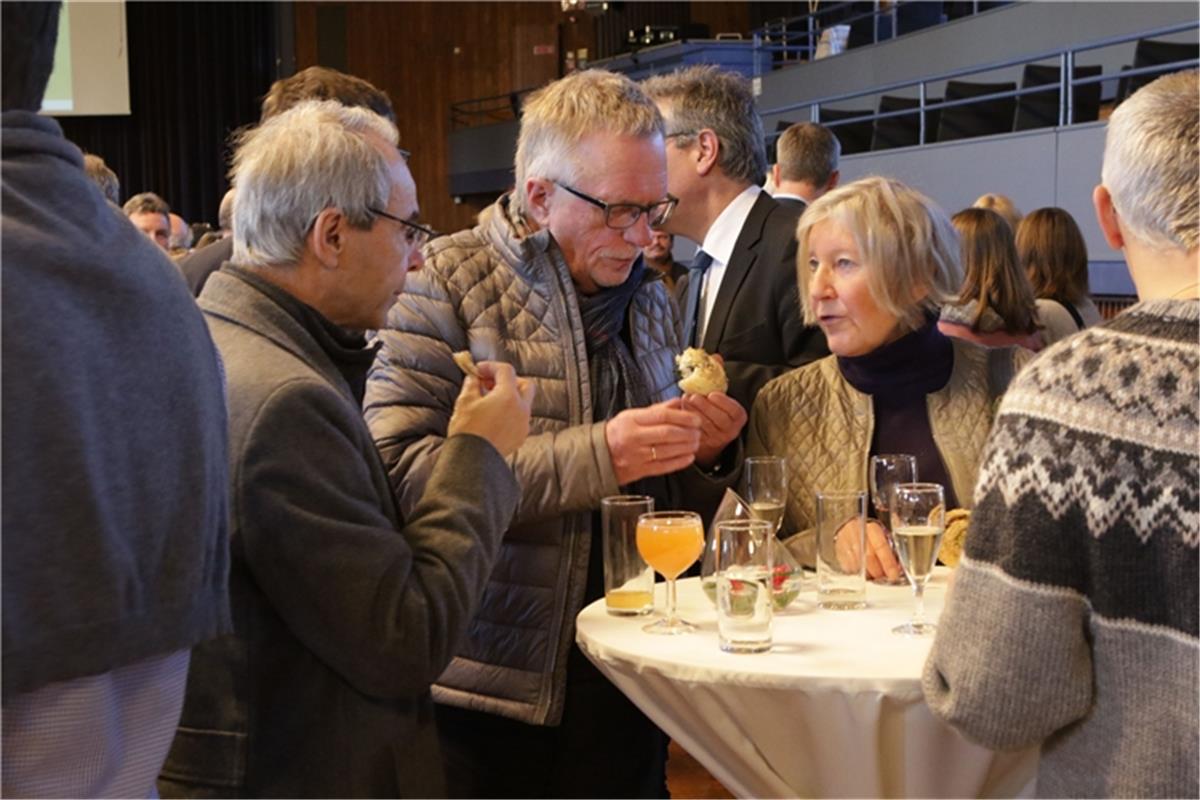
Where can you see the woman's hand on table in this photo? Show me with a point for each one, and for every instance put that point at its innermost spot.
(880, 559)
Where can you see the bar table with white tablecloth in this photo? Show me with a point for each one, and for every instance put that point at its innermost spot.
(835, 709)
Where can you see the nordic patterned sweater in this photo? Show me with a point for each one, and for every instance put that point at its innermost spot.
(1073, 617)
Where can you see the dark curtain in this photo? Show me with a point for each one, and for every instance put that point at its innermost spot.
(197, 72)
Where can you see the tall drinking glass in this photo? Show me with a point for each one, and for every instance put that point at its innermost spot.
(886, 471)
(764, 488)
(918, 522)
(670, 541)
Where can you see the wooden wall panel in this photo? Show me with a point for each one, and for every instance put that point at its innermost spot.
(428, 55)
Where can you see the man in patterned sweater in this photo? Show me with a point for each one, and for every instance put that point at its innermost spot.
(1073, 618)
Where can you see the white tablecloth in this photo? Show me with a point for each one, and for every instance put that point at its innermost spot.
(835, 709)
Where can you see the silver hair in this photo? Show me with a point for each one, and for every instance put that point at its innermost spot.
(1150, 162)
(557, 117)
(706, 96)
(297, 164)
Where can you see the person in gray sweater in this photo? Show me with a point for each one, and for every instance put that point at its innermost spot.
(115, 546)
(345, 610)
(1072, 621)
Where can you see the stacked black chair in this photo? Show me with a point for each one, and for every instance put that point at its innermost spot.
(903, 130)
(1040, 109)
(855, 137)
(976, 119)
(1150, 53)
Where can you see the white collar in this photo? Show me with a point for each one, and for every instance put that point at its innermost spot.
(723, 233)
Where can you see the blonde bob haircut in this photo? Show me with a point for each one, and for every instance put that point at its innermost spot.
(909, 249)
(560, 115)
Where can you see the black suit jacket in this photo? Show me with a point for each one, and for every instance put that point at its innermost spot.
(792, 202)
(756, 324)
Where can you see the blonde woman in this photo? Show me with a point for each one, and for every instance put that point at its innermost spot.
(1003, 206)
(876, 261)
(996, 305)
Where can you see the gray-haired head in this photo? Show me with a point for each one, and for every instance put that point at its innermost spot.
(558, 116)
(289, 169)
(809, 152)
(706, 96)
(103, 176)
(1150, 162)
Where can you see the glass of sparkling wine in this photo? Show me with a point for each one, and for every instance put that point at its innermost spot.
(765, 488)
(886, 471)
(670, 541)
(918, 522)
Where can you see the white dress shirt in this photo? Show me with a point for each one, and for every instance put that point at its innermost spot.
(718, 242)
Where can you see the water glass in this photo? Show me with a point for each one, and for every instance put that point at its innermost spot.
(841, 550)
(885, 472)
(744, 592)
(628, 579)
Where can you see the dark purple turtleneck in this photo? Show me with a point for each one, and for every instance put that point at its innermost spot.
(898, 377)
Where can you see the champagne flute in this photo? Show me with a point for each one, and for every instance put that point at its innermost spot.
(765, 489)
(918, 522)
(670, 541)
(887, 471)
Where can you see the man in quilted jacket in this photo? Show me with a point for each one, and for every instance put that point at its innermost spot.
(550, 280)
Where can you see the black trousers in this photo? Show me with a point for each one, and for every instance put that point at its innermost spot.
(605, 747)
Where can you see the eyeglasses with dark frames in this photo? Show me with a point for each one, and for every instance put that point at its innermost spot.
(415, 233)
(621, 216)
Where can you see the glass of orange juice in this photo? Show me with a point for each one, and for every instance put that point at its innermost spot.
(670, 541)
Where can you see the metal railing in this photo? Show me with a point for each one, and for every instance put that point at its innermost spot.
(1066, 86)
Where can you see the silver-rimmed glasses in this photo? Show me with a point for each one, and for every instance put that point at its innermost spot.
(620, 216)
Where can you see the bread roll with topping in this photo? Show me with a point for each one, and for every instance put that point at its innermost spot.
(700, 373)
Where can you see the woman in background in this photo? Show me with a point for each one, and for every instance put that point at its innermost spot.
(1002, 206)
(876, 261)
(996, 305)
(1055, 258)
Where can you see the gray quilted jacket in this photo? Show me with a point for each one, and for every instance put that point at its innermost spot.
(506, 294)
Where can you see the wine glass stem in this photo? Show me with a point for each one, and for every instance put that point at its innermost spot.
(919, 593)
(671, 602)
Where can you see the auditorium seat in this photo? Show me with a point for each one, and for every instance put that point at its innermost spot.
(855, 137)
(1152, 52)
(903, 130)
(976, 119)
(1040, 110)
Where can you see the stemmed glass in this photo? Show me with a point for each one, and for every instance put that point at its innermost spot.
(918, 522)
(764, 489)
(886, 472)
(670, 541)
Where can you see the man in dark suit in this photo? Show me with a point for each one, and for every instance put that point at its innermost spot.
(806, 165)
(740, 297)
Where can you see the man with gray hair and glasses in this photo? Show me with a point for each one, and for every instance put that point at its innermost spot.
(740, 297)
(345, 608)
(551, 280)
(1073, 622)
